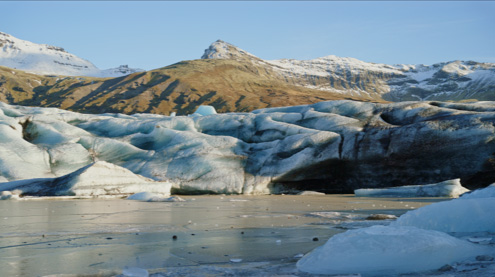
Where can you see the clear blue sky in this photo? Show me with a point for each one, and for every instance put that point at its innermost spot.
(155, 34)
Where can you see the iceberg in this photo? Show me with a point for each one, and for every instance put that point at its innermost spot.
(416, 241)
(449, 188)
(470, 213)
(386, 250)
(204, 110)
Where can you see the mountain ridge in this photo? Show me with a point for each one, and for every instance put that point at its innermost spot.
(234, 80)
(400, 82)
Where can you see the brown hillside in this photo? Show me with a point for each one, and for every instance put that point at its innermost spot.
(228, 85)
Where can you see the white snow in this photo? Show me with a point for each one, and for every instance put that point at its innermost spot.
(449, 188)
(325, 66)
(46, 59)
(397, 80)
(223, 50)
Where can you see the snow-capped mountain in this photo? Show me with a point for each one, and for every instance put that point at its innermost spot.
(453, 80)
(52, 60)
(117, 71)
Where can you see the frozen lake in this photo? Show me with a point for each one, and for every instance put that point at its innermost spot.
(213, 233)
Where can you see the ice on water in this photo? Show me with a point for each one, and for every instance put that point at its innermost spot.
(449, 188)
(419, 240)
(385, 250)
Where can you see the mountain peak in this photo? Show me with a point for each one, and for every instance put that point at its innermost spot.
(224, 50)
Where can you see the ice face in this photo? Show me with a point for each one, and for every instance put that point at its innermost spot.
(334, 145)
(386, 250)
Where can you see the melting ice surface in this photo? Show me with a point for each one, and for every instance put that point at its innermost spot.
(416, 242)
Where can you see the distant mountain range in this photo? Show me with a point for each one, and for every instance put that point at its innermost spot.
(455, 80)
(228, 78)
(51, 60)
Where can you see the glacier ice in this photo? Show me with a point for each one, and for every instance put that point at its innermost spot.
(386, 250)
(97, 179)
(488, 192)
(334, 146)
(470, 213)
(205, 110)
(154, 197)
(416, 241)
(449, 188)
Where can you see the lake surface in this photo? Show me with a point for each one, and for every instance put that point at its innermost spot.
(105, 236)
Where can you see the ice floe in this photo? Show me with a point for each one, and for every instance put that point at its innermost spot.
(419, 240)
(449, 188)
(386, 250)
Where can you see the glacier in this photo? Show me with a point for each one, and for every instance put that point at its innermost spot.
(335, 146)
(418, 241)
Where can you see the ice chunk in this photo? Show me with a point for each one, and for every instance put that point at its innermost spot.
(135, 272)
(458, 215)
(6, 195)
(450, 188)
(100, 178)
(205, 110)
(153, 197)
(481, 193)
(386, 250)
(309, 192)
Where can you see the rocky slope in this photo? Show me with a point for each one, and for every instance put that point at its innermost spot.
(228, 85)
(51, 60)
(455, 80)
(233, 80)
(334, 146)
